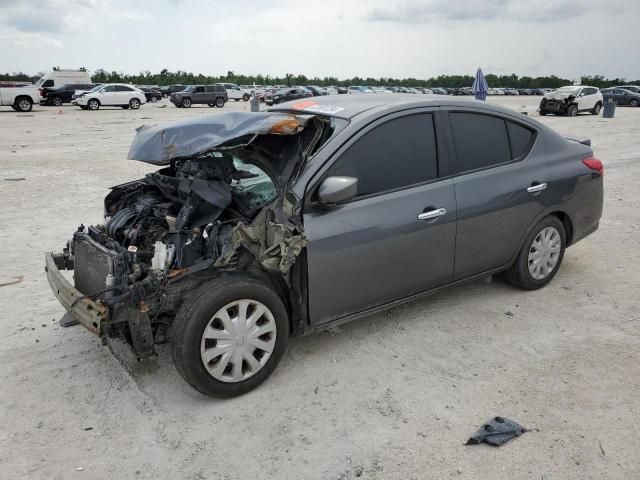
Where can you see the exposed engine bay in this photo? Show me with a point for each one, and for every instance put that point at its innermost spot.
(222, 209)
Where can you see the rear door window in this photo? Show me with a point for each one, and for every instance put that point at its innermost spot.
(395, 154)
(480, 141)
(122, 88)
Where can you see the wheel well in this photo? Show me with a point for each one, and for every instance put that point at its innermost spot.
(20, 97)
(568, 226)
(95, 100)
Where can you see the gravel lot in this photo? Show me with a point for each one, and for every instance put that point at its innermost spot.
(392, 396)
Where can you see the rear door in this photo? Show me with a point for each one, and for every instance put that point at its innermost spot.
(374, 249)
(498, 192)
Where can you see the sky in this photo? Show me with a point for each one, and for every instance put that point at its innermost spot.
(341, 38)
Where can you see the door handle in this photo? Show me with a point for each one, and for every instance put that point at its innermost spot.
(431, 214)
(537, 188)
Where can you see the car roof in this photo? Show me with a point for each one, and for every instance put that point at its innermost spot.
(350, 106)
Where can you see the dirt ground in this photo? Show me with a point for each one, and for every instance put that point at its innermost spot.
(392, 396)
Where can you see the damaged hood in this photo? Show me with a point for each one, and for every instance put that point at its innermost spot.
(159, 144)
(557, 95)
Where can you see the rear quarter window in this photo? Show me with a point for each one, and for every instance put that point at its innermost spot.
(519, 138)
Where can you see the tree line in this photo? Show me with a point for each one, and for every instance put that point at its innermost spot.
(166, 77)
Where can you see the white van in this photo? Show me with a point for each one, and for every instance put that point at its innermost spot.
(59, 76)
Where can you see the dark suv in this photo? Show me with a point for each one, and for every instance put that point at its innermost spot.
(212, 95)
(64, 94)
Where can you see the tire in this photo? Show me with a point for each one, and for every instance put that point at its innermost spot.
(572, 111)
(200, 313)
(520, 273)
(93, 104)
(134, 103)
(154, 99)
(56, 101)
(186, 103)
(543, 113)
(633, 102)
(596, 109)
(246, 97)
(23, 104)
(219, 102)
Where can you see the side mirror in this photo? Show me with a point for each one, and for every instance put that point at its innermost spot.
(337, 189)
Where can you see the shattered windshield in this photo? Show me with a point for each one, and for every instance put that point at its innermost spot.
(567, 90)
(257, 189)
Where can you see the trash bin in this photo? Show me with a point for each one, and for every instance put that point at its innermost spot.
(609, 109)
(254, 103)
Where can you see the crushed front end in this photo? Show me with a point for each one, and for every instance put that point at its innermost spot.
(219, 205)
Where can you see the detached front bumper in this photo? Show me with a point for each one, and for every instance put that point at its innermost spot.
(87, 312)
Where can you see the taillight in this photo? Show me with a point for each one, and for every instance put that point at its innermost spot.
(594, 164)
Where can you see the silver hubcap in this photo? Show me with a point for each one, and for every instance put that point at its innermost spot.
(238, 341)
(24, 105)
(544, 253)
(93, 105)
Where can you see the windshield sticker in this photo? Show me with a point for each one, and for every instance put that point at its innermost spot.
(311, 106)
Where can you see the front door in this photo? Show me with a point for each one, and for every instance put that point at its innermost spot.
(375, 249)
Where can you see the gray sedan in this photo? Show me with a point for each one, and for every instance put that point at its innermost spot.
(263, 225)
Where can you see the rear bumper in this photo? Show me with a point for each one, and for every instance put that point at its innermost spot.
(88, 313)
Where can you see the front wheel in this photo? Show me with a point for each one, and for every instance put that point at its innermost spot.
(229, 336)
(543, 113)
(246, 97)
(93, 104)
(572, 111)
(596, 109)
(56, 101)
(541, 255)
(186, 103)
(134, 103)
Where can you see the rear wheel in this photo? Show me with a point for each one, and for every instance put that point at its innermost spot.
(541, 255)
(596, 109)
(246, 97)
(56, 101)
(572, 111)
(186, 103)
(134, 103)
(543, 113)
(634, 102)
(23, 104)
(93, 104)
(154, 99)
(229, 336)
(219, 102)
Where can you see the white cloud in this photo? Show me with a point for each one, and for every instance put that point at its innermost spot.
(28, 40)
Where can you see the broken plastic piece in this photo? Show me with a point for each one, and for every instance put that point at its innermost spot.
(497, 431)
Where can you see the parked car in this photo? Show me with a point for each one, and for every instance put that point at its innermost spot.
(342, 90)
(262, 226)
(21, 99)
(167, 91)
(572, 100)
(631, 88)
(287, 94)
(359, 89)
(212, 95)
(61, 95)
(315, 90)
(151, 94)
(537, 91)
(621, 96)
(111, 95)
(464, 91)
(234, 92)
(332, 91)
